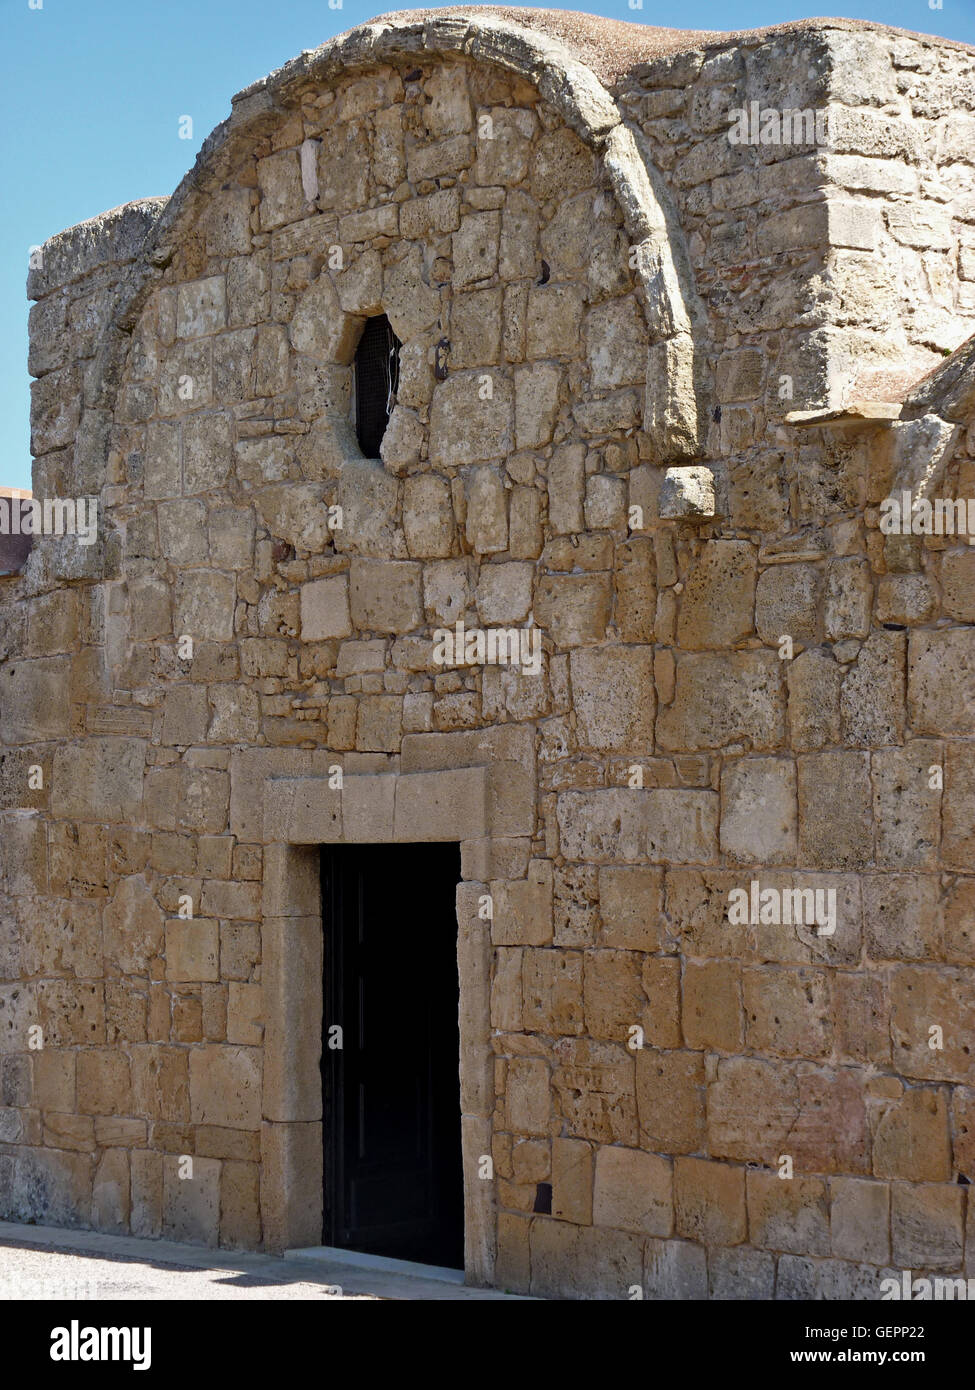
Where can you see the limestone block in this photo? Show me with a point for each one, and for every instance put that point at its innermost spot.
(207, 452)
(907, 810)
(487, 518)
(681, 825)
(320, 328)
(204, 607)
(503, 155)
(835, 812)
(616, 344)
(475, 247)
(566, 486)
(279, 181)
(790, 1216)
(292, 1169)
(926, 1226)
(594, 1084)
(941, 681)
(574, 608)
(554, 322)
(902, 917)
(605, 503)
(958, 585)
(522, 908)
(848, 598)
(103, 1086)
(860, 1219)
(186, 715)
(717, 606)
(446, 590)
(675, 1270)
(448, 805)
(133, 926)
(552, 992)
(872, 695)
(240, 1208)
(369, 498)
(471, 418)
(32, 696)
(633, 1191)
(50, 1187)
(225, 1086)
(325, 609)
(712, 1010)
(958, 843)
(191, 1205)
(292, 953)
(923, 997)
(410, 303)
(725, 698)
(160, 1082)
(787, 1012)
(192, 950)
(815, 679)
(630, 906)
(55, 410)
(670, 1100)
(536, 403)
(906, 598)
(759, 811)
(614, 996)
(504, 593)
(912, 1139)
(752, 1107)
(613, 696)
(201, 307)
(605, 824)
(110, 1206)
(385, 596)
(788, 602)
(527, 1096)
(368, 809)
(428, 516)
(709, 1202)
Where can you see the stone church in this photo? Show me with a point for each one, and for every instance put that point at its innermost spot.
(496, 787)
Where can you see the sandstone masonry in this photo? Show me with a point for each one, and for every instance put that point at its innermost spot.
(654, 389)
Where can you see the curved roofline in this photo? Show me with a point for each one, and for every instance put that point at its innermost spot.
(675, 415)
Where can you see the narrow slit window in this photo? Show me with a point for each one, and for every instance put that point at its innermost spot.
(376, 380)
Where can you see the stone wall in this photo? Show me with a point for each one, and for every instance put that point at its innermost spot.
(474, 182)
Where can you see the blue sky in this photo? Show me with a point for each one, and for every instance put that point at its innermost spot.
(92, 92)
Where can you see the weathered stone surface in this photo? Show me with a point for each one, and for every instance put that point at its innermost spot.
(718, 603)
(721, 699)
(732, 677)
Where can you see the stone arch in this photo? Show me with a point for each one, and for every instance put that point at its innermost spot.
(675, 406)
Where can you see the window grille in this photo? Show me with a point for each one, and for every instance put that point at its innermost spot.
(376, 380)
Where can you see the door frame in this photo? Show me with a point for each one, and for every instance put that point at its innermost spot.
(469, 805)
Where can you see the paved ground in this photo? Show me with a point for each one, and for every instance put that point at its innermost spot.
(38, 1262)
(60, 1273)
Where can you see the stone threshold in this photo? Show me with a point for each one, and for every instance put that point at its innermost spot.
(355, 1273)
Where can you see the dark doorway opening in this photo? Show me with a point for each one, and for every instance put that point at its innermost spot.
(393, 1160)
(376, 381)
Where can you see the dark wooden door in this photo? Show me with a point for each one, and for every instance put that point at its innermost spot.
(393, 1169)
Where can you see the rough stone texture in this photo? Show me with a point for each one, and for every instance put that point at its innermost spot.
(629, 428)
